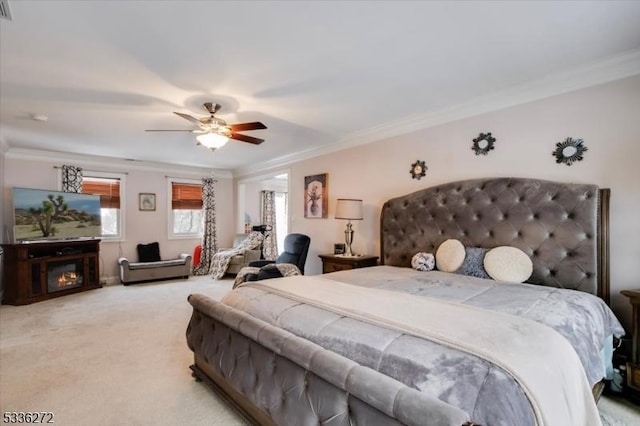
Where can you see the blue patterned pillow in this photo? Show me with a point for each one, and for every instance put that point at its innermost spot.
(473, 264)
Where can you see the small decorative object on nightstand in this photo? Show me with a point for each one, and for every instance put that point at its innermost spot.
(333, 263)
(633, 367)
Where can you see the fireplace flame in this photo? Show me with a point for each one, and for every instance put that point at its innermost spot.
(67, 278)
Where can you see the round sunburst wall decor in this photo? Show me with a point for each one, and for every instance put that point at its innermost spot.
(483, 143)
(418, 169)
(569, 151)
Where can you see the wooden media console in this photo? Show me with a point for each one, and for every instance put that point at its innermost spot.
(36, 271)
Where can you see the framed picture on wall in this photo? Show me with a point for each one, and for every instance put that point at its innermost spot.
(147, 202)
(316, 197)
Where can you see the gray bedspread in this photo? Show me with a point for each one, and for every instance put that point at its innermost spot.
(486, 392)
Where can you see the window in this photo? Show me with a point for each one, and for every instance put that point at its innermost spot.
(109, 189)
(282, 220)
(186, 210)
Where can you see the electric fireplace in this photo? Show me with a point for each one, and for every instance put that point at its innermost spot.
(40, 270)
(64, 275)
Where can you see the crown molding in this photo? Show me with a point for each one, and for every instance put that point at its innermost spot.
(610, 69)
(114, 163)
(283, 161)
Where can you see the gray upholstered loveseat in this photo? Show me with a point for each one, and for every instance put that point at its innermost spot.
(132, 272)
(150, 267)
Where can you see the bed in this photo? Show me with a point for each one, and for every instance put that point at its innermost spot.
(281, 358)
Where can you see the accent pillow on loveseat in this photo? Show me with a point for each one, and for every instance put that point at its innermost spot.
(149, 252)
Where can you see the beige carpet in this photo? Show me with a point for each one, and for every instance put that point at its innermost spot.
(118, 356)
(112, 356)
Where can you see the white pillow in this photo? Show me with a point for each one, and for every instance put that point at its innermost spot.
(506, 263)
(450, 256)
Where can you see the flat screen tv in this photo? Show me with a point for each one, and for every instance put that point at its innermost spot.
(53, 215)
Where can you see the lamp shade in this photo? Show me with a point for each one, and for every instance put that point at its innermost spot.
(212, 140)
(348, 208)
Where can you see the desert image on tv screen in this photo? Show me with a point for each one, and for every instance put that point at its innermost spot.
(41, 214)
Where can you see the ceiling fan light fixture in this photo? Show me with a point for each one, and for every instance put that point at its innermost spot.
(214, 132)
(212, 140)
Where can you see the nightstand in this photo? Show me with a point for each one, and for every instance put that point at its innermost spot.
(633, 367)
(333, 263)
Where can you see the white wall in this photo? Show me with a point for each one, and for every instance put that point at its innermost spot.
(607, 117)
(252, 202)
(141, 226)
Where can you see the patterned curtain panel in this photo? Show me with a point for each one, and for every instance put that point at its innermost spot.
(210, 239)
(71, 178)
(270, 244)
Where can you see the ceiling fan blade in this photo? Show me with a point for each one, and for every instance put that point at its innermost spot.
(189, 117)
(211, 107)
(156, 130)
(245, 138)
(240, 127)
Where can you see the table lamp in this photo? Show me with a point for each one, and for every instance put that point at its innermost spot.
(349, 209)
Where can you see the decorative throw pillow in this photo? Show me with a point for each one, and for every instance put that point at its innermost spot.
(450, 255)
(423, 262)
(473, 263)
(149, 252)
(506, 263)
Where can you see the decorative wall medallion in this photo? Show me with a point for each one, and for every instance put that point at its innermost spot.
(483, 143)
(418, 169)
(569, 151)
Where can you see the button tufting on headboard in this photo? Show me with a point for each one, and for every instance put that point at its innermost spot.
(553, 222)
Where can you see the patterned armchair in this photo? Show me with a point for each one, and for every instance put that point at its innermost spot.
(241, 260)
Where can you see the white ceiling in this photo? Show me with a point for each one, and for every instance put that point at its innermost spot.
(318, 74)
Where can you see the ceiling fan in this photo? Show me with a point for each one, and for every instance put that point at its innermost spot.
(214, 132)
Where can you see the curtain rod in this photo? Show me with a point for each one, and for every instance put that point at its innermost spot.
(100, 171)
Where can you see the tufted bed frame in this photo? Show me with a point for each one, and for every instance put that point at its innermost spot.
(274, 377)
(563, 228)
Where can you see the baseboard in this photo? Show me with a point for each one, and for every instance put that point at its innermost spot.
(110, 280)
(106, 281)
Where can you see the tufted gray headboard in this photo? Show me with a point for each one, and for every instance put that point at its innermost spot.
(562, 227)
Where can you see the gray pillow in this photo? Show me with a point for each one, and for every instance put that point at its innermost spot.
(473, 264)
